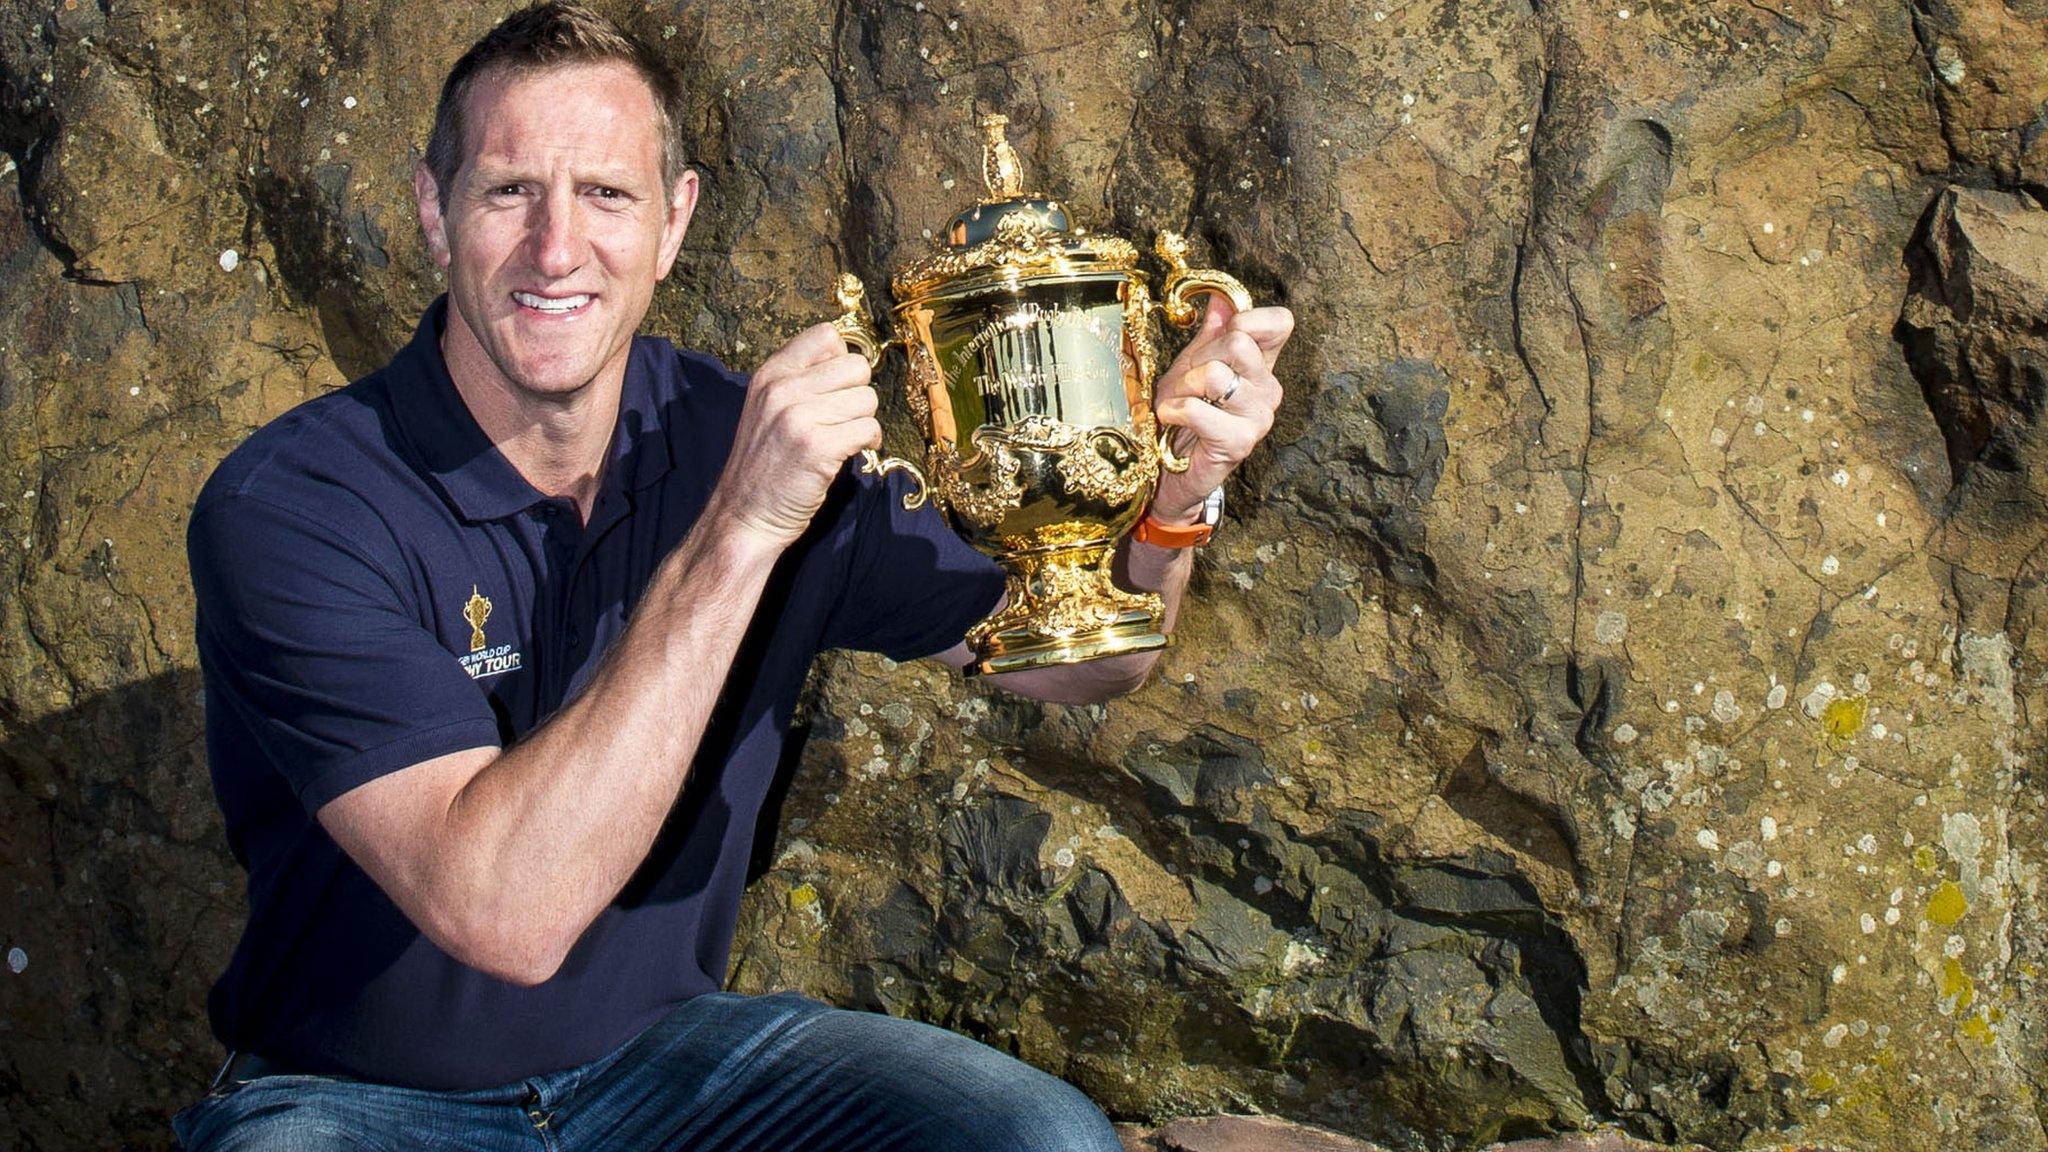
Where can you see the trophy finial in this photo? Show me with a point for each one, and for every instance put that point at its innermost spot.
(1173, 249)
(851, 294)
(1000, 168)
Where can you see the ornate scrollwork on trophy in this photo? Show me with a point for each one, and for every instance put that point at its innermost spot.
(1062, 596)
(1138, 333)
(925, 378)
(1081, 602)
(1022, 243)
(986, 503)
(1042, 432)
(1111, 468)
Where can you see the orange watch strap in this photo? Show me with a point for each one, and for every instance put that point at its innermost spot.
(1163, 535)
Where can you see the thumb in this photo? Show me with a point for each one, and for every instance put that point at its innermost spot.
(1216, 315)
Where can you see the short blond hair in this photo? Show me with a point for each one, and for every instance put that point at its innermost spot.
(543, 37)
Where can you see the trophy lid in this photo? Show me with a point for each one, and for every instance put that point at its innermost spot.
(1010, 235)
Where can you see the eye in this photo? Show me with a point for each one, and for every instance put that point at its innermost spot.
(603, 192)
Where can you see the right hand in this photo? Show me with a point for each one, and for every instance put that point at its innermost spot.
(809, 408)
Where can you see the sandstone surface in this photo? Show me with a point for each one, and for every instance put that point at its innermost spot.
(1609, 699)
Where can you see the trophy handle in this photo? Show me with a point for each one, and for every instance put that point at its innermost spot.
(1182, 284)
(1169, 459)
(858, 330)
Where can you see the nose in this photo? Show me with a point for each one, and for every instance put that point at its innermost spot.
(557, 236)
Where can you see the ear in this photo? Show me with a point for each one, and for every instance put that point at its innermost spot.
(682, 202)
(426, 195)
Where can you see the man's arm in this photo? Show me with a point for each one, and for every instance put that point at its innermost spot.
(1229, 348)
(505, 857)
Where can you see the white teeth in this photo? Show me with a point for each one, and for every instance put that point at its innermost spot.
(544, 304)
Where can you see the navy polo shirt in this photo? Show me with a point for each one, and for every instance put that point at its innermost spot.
(378, 586)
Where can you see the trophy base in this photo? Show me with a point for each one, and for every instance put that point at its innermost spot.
(1064, 608)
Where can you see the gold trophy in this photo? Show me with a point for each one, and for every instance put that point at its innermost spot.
(1031, 359)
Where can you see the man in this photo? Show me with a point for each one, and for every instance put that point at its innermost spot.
(501, 643)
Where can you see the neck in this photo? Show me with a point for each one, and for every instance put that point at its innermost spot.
(558, 443)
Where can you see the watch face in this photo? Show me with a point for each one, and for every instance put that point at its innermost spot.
(1212, 507)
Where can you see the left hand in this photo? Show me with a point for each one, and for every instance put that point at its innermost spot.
(1231, 347)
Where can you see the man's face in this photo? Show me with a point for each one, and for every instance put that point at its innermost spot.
(557, 228)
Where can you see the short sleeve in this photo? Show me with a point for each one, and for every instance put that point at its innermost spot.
(914, 587)
(310, 647)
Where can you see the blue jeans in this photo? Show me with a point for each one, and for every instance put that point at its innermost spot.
(722, 1073)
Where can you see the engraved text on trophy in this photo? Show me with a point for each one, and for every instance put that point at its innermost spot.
(1022, 358)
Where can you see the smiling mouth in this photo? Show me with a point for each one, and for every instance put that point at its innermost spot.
(551, 305)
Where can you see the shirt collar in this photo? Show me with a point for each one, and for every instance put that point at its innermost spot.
(471, 473)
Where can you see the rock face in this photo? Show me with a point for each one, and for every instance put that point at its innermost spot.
(1607, 701)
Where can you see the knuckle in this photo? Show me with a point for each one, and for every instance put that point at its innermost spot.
(844, 371)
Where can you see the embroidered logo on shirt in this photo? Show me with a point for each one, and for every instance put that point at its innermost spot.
(476, 612)
(484, 660)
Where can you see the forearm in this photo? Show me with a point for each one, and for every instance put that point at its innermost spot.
(543, 838)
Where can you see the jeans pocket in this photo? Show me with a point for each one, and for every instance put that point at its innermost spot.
(196, 1120)
(186, 1122)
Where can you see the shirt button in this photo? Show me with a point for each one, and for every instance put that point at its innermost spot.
(575, 637)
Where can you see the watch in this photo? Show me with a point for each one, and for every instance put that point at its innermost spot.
(1163, 535)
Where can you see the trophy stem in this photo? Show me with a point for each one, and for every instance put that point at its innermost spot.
(1064, 608)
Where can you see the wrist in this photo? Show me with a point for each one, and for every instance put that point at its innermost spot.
(1180, 528)
(1176, 515)
(1174, 504)
(734, 538)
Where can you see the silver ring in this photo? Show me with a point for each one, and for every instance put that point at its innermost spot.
(1236, 382)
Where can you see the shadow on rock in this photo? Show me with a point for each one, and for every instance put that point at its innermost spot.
(124, 905)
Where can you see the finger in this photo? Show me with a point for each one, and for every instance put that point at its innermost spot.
(1222, 432)
(835, 373)
(1217, 313)
(811, 346)
(1270, 325)
(842, 406)
(1213, 379)
(850, 438)
(1216, 316)
(1253, 396)
(1254, 412)
(1269, 328)
(1241, 353)
(841, 372)
(1209, 378)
